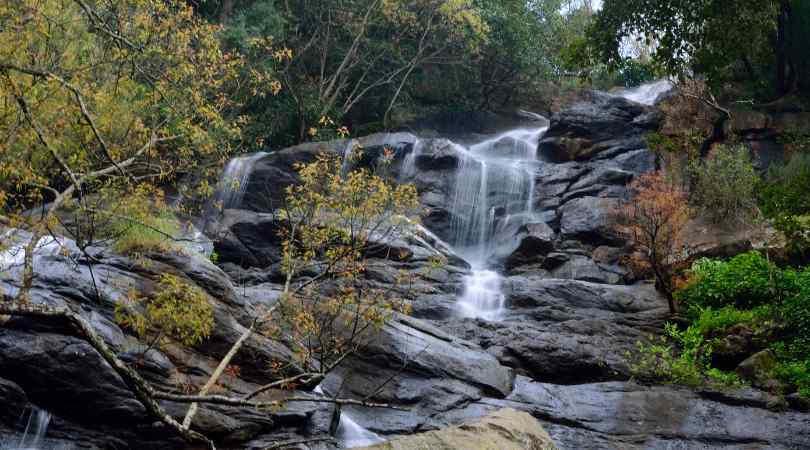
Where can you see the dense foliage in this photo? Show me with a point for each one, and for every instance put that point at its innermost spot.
(724, 185)
(177, 310)
(333, 221)
(761, 41)
(369, 64)
(785, 199)
(747, 292)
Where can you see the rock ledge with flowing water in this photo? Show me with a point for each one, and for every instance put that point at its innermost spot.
(533, 311)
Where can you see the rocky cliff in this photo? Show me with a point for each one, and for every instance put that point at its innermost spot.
(556, 351)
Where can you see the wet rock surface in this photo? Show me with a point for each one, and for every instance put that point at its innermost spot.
(557, 353)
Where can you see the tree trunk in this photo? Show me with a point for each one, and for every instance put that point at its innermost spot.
(226, 11)
(782, 84)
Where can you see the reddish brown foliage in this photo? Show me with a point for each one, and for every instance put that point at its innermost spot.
(654, 221)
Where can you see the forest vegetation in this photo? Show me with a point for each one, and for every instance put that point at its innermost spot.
(117, 117)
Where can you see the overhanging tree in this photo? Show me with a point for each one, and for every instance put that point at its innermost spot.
(757, 38)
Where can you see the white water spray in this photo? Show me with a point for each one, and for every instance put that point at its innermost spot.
(15, 255)
(233, 183)
(349, 433)
(33, 438)
(647, 94)
(493, 194)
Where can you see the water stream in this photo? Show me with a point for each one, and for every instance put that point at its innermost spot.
(493, 196)
(647, 94)
(234, 181)
(349, 433)
(33, 438)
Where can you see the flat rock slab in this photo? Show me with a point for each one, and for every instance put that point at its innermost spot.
(506, 429)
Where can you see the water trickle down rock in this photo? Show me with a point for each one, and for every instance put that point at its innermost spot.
(647, 94)
(234, 181)
(493, 193)
(33, 438)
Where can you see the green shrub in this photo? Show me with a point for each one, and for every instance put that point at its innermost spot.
(710, 320)
(177, 309)
(796, 314)
(684, 356)
(151, 234)
(784, 197)
(724, 186)
(745, 281)
(659, 360)
(796, 373)
(747, 289)
(142, 222)
(785, 189)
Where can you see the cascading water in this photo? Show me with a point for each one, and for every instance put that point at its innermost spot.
(647, 94)
(493, 193)
(33, 438)
(349, 433)
(233, 183)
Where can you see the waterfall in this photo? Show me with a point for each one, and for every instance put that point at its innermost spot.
(349, 433)
(352, 435)
(647, 94)
(408, 169)
(493, 194)
(15, 255)
(233, 183)
(33, 438)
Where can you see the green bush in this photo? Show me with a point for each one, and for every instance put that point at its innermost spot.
(684, 356)
(141, 221)
(177, 309)
(785, 189)
(745, 281)
(796, 373)
(151, 234)
(784, 197)
(796, 314)
(747, 289)
(710, 320)
(724, 186)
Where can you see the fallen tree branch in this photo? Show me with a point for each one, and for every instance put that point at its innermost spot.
(307, 377)
(223, 364)
(298, 442)
(232, 401)
(142, 390)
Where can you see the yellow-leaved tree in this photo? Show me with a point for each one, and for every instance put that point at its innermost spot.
(103, 101)
(333, 223)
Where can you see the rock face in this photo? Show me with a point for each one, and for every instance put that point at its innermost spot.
(506, 429)
(621, 415)
(604, 124)
(565, 331)
(557, 354)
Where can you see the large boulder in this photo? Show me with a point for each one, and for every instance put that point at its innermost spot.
(565, 331)
(536, 241)
(601, 124)
(506, 429)
(621, 415)
(271, 174)
(91, 405)
(759, 368)
(588, 219)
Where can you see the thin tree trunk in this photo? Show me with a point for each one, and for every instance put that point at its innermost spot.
(192, 410)
(143, 392)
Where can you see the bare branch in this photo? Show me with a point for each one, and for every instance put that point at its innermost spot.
(143, 392)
